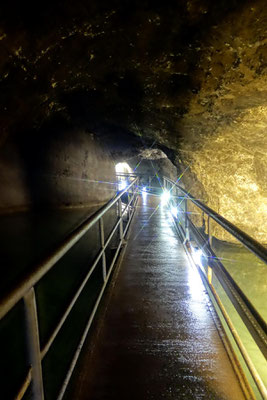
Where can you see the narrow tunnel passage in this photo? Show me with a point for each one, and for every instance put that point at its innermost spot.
(178, 91)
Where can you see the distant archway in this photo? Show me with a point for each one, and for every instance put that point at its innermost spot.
(123, 168)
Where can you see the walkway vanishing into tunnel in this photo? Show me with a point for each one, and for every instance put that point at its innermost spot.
(155, 336)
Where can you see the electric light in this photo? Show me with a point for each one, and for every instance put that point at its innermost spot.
(123, 168)
(165, 197)
(144, 192)
(144, 195)
(122, 185)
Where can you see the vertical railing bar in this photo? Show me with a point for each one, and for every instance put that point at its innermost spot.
(128, 223)
(79, 348)
(102, 243)
(120, 219)
(187, 236)
(25, 385)
(132, 212)
(33, 344)
(209, 232)
(73, 301)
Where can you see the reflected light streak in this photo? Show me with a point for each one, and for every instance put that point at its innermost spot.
(196, 289)
(144, 196)
(197, 255)
(147, 221)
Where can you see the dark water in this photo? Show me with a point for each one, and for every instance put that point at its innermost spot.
(25, 239)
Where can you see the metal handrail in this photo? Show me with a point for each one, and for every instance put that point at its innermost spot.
(255, 247)
(9, 300)
(262, 324)
(25, 289)
(251, 318)
(130, 174)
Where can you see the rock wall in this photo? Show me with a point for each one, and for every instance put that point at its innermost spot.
(224, 133)
(153, 163)
(232, 169)
(55, 169)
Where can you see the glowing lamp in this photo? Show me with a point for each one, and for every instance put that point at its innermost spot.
(165, 197)
(122, 185)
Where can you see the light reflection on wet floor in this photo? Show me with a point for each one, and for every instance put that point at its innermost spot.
(158, 339)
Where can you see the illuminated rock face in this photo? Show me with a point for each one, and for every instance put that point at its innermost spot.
(189, 77)
(232, 168)
(225, 129)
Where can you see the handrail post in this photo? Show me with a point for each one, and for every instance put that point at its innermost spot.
(130, 210)
(128, 207)
(130, 199)
(209, 232)
(120, 218)
(102, 242)
(187, 236)
(33, 344)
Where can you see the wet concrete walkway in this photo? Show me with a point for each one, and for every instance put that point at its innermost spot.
(157, 339)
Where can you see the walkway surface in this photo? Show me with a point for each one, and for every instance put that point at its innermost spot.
(157, 339)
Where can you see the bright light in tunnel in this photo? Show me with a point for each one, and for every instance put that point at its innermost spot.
(122, 184)
(123, 168)
(144, 195)
(197, 254)
(165, 197)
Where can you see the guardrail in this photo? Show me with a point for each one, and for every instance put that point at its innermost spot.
(189, 231)
(25, 289)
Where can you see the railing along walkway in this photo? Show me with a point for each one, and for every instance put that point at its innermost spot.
(241, 310)
(156, 338)
(23, 300)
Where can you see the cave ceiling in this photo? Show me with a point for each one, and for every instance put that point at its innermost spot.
(161, 70)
